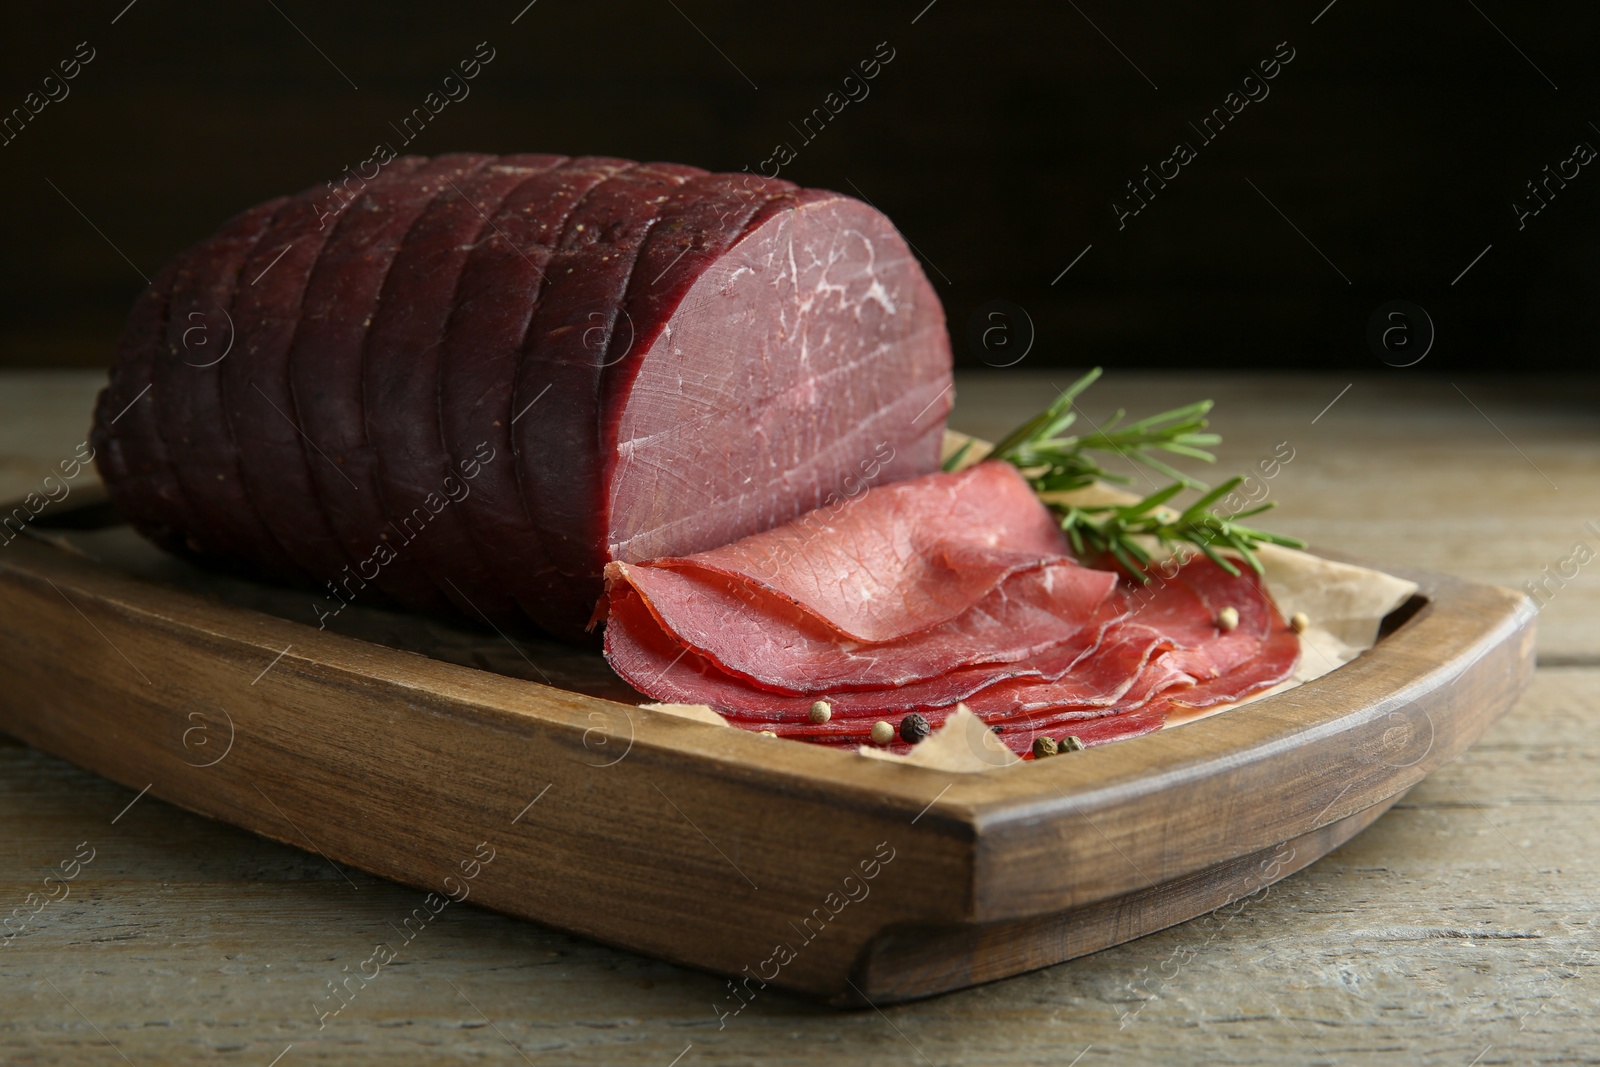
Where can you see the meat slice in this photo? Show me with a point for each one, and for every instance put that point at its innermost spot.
(258, 403)
(326, 368)
(1261, 651)
(416, 480)
(642, 651)
(774, 645)
(899, 559)
(757, 350)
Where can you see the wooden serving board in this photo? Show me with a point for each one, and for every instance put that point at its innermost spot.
(519, 775)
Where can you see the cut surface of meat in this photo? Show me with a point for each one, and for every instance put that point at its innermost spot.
(806, 362)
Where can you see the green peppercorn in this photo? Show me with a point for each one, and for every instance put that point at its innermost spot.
(1044, 746)
(1071, 744)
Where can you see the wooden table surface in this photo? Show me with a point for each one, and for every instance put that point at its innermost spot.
(1460, 929)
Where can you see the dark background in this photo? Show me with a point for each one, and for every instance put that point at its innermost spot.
(996, 138)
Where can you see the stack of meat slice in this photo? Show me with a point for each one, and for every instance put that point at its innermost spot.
(923, 594)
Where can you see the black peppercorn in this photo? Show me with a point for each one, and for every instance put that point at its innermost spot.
(914, 728)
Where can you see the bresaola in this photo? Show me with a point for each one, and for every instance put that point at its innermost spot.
(667, 363)
(929, 592)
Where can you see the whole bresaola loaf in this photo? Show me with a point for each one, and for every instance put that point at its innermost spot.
(475, 380)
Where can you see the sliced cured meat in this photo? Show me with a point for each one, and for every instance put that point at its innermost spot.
(897, 560)
(416, 480)
(1273, 662)
(778, 646)
(782, 351)
(653, 661)
(258, 403)
(1128, 668)
(1112, 666)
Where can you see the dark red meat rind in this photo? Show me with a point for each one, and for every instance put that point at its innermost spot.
(607, 306)
(416, 480)
(501, 285)
(258, 402)
(326, 367)
(201, 334)
(129, 453)
(565, 352)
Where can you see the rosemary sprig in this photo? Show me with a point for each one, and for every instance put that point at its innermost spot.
(1042, 442)
(1055, 462)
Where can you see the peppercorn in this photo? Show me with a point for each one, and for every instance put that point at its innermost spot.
(1227, 619)
(1044, 746)
(1299, 622)
(821, 711)
(914, 728)
(882, 733)
(1071, 744)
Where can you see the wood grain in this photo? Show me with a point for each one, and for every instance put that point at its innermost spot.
(1457, 925)
(1462, 919)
